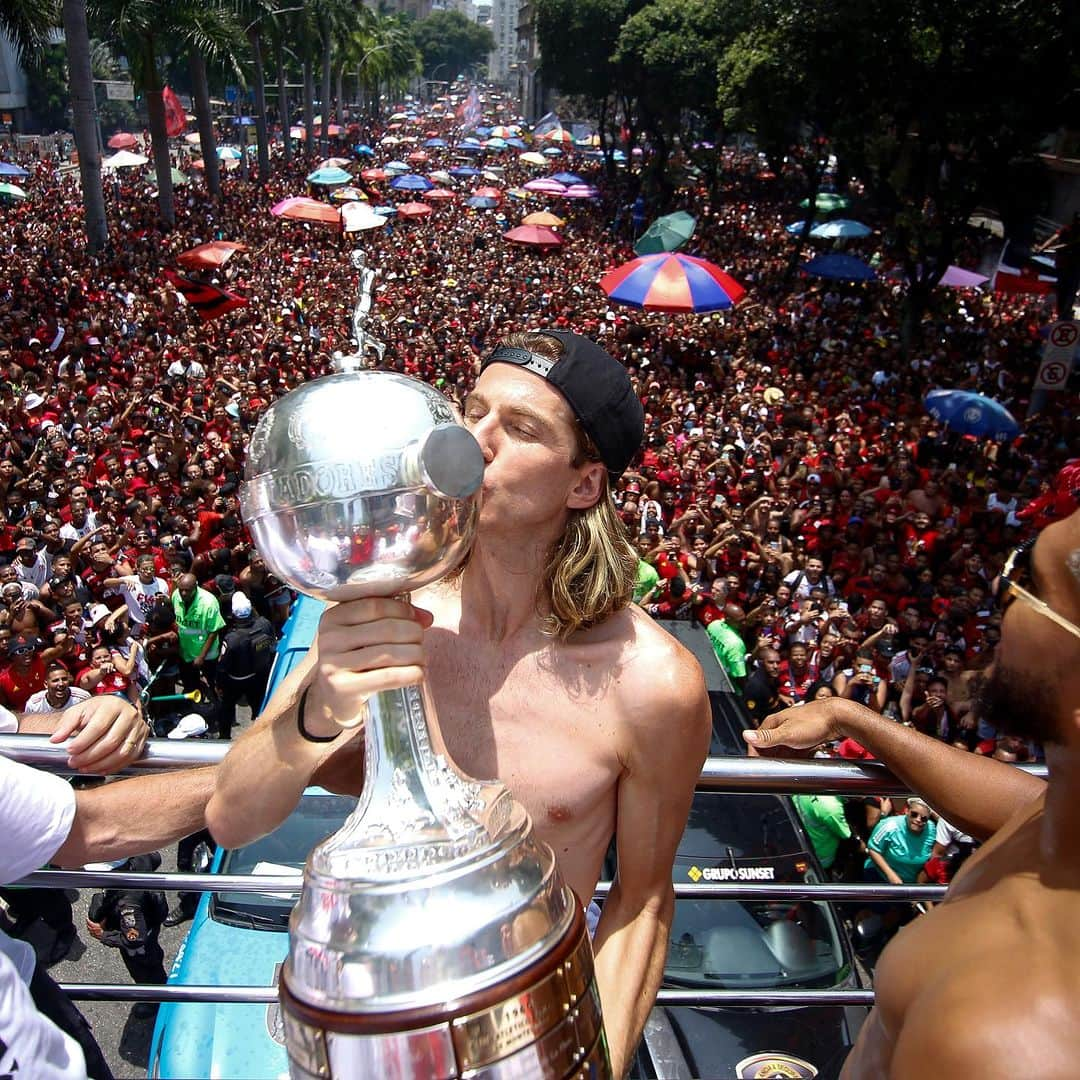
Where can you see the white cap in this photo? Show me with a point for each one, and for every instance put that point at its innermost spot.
(241, 605)
(33, 401)
(190, 726)
(96, 613)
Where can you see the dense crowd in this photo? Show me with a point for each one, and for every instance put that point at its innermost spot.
(793, 496)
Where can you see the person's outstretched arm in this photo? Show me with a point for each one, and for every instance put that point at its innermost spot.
(362, 646)
(975, 793)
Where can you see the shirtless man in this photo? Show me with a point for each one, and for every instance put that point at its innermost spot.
(988, 984)
(542, 671)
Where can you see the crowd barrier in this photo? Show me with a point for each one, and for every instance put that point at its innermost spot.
(731, 775)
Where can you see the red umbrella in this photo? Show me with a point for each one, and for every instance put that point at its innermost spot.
(487, 193)
(374, 174)
(439, 195)
(417, 155)
(534, 235)
(122, 140)
(672, 282)
(303, 209)
(414, 210)
(215, 253)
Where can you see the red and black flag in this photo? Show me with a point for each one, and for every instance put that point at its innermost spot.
(208, 300)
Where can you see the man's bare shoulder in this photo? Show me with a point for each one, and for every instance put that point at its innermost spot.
(1012, 1014)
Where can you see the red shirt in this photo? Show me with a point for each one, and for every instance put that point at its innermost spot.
(16, 687)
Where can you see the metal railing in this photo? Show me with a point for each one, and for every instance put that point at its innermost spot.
(732, 775)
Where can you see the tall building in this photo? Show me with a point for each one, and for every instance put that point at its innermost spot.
(12, 89)
(532, 93)
(504, 27)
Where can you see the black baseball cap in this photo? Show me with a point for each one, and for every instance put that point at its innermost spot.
(597, 388)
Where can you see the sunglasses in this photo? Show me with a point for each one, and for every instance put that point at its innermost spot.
(916, 816)
(1017, 569)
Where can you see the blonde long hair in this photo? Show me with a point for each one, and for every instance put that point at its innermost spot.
(590, 570)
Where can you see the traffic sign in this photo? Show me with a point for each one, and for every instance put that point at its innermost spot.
(1058, 356)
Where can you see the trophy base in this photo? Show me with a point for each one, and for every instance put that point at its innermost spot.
(545, 1022)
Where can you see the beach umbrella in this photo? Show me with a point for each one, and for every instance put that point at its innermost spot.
(795, 227)
(300, 208)
(359, 217)
(439, 195)
(211, 255)
(409, 138)
(396, 167)
(12, 191)
(389, 140)
(545, 218)
(581, 191)
(399, 116)
(496, 144)
(463, 171)
(436, 144)
(545, 186)
(839, 267)
(193, 137)
(501, 131)
(364, 149)
(517, 193)
(533, 235)
(470, 148)
(516, 143)
(178, 178)
(374, 174)
(414, 210)
(297, 132)
(7, 169)
(122, 140)
(531, 157)
(487, 192)
(556, 136)
(668, 282)
(667, 233)
(972, 414)
(348, 194)
(441, 176)
(334, 129)
(229, 153)
(386, 211)
(418, 156)
(827, 202)
(840, 229)
(567, 178)
(552, 151)
(335, 163)
(123, 159)
(481, 202)
(329, 177)
(411, 182)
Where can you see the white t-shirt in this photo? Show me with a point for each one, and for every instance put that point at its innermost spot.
(36, 812)
(39, 703)
(9, 722)
(139, 597)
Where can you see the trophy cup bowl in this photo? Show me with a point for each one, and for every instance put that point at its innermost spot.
(434, 936)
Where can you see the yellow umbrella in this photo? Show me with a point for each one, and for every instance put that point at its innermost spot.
(531, 157)
(543, 217)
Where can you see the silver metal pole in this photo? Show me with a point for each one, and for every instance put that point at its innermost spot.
(268, 994)
(268, 883)
(36, 750)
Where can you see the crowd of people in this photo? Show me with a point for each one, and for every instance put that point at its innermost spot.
(793, 496)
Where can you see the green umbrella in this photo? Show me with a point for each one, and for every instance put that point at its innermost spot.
(179, 179)
(667, 233)
(827, 202)
(13, 190)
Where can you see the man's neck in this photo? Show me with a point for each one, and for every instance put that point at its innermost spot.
(1059, 841)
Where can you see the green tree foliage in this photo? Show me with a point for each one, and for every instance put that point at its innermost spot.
(450, 43)
(47, 88)
(577, 44)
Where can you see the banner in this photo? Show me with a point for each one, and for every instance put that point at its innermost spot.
(208, 300)
(175, 117)
(119, 91)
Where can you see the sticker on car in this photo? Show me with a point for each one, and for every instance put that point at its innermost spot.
(768, 1066)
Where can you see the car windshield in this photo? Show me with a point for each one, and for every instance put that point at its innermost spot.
(754, 944)
(282, 852)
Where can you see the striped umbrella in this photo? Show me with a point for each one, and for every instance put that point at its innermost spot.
(672, 283)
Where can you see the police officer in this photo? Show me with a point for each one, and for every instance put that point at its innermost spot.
(130, 920)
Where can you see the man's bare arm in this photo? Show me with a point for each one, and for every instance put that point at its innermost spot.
(112, 822)
(977, 794)
(669, 738)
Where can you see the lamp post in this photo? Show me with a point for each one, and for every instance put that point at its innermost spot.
(363, 60)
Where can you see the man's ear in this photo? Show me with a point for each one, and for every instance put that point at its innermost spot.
(589, 487)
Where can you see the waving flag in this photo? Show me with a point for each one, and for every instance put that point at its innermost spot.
(175, 118)
(470, 111)
(208, 300)
(548, 122)
(1022, 279)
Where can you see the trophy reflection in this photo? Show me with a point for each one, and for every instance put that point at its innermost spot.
(434, 936)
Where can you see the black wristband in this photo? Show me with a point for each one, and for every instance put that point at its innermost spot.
(304, 733)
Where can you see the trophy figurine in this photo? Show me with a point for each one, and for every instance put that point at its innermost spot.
(434, 936)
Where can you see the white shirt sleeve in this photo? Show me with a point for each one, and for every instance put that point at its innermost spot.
(9, 722)
(36, 812)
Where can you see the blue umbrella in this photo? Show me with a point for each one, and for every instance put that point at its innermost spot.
(396, 167)
(329, 176)
(552, 151)
(470, 140)
(972, 414)
(619, 155)
(568, 178)
(411, 182)
(7, 169)
(436, 143)
(464, 170)
(386, 211)
(482, 202)
(839, 267)
(516, 143)
(244, 121)
(840, 228)
(363, 148)
(483, 132)
(470, 148)
(795, 227)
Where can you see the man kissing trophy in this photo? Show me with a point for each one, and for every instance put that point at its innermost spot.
(434, 936)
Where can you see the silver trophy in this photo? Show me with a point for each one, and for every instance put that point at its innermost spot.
(434, 936)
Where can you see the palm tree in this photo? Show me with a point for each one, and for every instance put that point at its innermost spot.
(200, 91)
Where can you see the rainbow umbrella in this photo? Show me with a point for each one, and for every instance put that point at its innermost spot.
(672, 283)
